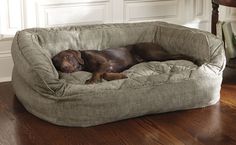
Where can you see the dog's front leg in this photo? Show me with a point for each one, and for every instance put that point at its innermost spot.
(96, 77)
(113, 76)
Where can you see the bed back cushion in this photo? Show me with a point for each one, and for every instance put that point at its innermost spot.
(175, 39)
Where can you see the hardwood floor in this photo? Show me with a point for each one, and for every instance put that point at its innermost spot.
(215, 125)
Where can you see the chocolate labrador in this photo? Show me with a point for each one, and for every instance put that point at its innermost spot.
(109, 63)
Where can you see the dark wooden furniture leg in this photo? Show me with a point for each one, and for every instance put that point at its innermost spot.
(214, 16)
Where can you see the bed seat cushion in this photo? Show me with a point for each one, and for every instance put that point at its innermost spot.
(168, 71)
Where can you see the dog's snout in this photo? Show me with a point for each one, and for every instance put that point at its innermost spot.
(66, 67)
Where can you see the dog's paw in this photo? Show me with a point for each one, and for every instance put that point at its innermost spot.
(91, 81)
(123, 76)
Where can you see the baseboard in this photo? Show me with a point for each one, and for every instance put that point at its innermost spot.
(6, 66)
(6, 62)
(5, 79)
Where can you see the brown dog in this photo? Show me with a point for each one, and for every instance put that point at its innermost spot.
(108, 63)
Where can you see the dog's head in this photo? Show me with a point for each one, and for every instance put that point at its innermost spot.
(68, 61)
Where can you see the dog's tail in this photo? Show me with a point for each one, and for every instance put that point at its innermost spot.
(185, 57)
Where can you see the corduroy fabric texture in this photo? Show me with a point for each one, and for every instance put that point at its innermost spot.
(151, 87)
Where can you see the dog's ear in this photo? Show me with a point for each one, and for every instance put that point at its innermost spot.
(77, 55)
(79, 58)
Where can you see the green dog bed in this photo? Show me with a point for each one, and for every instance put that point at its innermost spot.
(151, 87)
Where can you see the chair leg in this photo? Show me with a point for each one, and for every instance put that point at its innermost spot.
(214, 16)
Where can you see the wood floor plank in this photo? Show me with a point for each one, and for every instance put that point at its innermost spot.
(214, 125)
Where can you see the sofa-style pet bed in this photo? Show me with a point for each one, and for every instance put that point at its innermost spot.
(151, 87)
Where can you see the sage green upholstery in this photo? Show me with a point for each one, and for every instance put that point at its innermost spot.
(151, 87)
(230, 40)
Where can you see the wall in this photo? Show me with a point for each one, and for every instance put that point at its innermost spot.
(19, 14)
